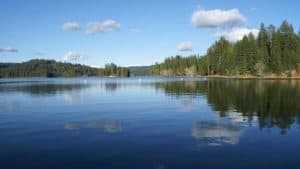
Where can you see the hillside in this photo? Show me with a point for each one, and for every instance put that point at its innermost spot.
(52, 68)
(140, 70)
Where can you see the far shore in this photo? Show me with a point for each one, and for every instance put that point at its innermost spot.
(265, 77)
(250, 77)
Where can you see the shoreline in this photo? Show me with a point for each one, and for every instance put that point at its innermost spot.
(267, 77)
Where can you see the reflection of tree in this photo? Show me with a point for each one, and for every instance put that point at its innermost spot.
(217, 134)
(43, 89)
(273, 102)
(111, 87)
(180, 88)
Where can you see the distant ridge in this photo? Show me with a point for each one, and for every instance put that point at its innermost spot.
(52, 68)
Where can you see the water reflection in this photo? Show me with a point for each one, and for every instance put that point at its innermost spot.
(43, 89)
(186, 104)
(139, 128)
(275, 103)
(112, 87)
(107, 126)
(9, 105)
(73, 97)
(72, 126)
(216, 134)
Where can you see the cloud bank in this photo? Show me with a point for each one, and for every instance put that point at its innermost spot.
(230, 24)
(185, 46)
(217, 18)
(105, 26)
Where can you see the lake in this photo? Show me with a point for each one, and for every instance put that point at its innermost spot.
(149, 123)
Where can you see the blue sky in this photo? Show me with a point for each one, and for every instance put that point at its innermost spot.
(128, 32)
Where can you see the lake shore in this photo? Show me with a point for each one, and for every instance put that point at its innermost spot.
(250, 77)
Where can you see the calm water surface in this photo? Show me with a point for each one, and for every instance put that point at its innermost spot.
(149, 123)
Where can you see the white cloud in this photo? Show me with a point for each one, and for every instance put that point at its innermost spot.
(70, 26)
(217, 18)
(105, 26)
(8, 49)
(237, 33)
(73, 56)
(185, 46)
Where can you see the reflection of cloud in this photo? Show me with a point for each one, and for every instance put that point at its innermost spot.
(161, 166)
(107, 126)
(186, 105)
(72, 126)
(8, 106)
(236, 118)
(217, 134)
(112, 127)
(95, 124)
(73, 97)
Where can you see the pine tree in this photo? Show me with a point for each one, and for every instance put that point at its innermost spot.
(262, 44)
(252, 53)
(275, 64)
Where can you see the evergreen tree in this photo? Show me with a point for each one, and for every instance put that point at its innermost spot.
(262, 44)
(275, 64)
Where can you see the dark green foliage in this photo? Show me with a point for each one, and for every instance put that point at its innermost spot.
(263, 45)
(51, 68)
(273, 51)
(219, 58)
(112, 69)
(275, 54)
(181, 66)
(140, 70)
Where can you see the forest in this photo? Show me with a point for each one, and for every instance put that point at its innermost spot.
(52, 68)
(275, 51)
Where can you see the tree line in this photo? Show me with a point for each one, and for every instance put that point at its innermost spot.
(273, 51)
(52, 68)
